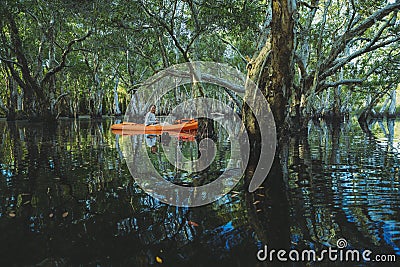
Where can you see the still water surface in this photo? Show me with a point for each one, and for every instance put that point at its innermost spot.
(68, 198)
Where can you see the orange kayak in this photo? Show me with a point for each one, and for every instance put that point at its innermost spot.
(184, 136)
(181, 126)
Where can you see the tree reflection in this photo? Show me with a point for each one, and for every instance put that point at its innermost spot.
(67, 197)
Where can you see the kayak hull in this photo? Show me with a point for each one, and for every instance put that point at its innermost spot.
(184, 136)
(137, 127)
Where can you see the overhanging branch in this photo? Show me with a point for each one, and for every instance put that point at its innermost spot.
(11, 61)
(66, 51)
(339, 45)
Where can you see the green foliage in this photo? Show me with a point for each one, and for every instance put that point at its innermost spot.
(135, 39)
(340, 32)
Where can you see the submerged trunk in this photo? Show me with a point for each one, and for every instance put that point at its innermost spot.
(268, 210)
(279, 83)
(272, 70)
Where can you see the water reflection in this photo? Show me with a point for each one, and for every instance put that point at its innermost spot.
(67, 197)
(355, 195)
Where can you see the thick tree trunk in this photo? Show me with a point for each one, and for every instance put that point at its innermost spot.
(272, 70)
(280, 81)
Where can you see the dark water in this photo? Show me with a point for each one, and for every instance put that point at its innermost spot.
(67, 198)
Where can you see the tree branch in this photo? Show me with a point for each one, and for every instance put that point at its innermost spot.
(302, 3)
(342, 61)
(353, 16)
(343, 82)
(354, 81)
(301, 65)
(196, 35)
(16, 76)
(234, 48)
(29, 84)
(168, 29)
(59, 98)
(2, 106)
(60, 66)
(10, 61)
(339, 46)
(209, 78)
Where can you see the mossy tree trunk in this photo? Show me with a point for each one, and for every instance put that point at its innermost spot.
(272, 69)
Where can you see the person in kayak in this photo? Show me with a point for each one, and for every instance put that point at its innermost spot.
(150, 118)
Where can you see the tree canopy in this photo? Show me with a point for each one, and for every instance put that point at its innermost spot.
(64, 58)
